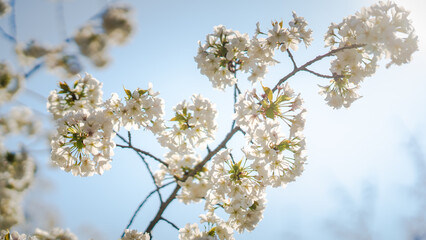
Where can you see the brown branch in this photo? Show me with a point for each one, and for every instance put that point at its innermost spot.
(304, 66)
(194, 171)
(322, 75)
(141, 205)
(129, 145)
(152, 176)
(172, 224)
(292, 59)
(140, 152)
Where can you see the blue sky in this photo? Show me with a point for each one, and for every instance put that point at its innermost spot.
(359, 158)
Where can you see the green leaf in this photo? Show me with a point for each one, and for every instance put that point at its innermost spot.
(142, 92)
(284, 144)
(282, 98)
(179, 118)
(212, 232)
(254, 206)
(64, 86)
(270, 112)
(128, 93)
(268, 93)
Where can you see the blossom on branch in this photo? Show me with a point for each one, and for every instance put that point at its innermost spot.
(381, 31)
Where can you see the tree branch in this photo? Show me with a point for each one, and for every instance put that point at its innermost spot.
(292, 59)
(33, 70)
(7, 35)
(61, 18)
(167, 221)
(143, 152)
(13, 19)
(129, 145)
(322, 75)
(152, 176)
(194, 171)
(141, 205)
(304, 66)
(140, 152)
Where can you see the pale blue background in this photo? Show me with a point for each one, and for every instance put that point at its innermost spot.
(360, 181)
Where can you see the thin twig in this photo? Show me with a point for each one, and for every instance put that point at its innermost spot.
(33, 70)
(304, 66)
(172, 224)
(238, 89)
(194, 171)
(61, 18)
(13, 19)
(141, 151)
(143, 160)
(141, 205)
(129, 136)
(122, 138)
(152, 176)
(7, 35)
(321, 75)
(236, 93)
(129, 145)
(292, 59)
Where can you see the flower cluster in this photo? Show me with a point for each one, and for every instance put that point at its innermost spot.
(16, 168)
(135, 235)
(237, 190)
(55, 233)
(142, 109)
(86, 93)
(285, 38)
(10, 83)
(226, 51)
(195, 127)
(6, 235)
(270, 159)
(16, 175)
(114, 26)
(19, 120)
(65, 64)
(117, 24)
(33, 50)
(4, 8)
(218, 229)
(382, 31)
(83, 143)
(93, 42)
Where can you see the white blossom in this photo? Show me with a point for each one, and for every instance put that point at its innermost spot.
(117, 24)
(383, 30)
(10, 83)
(85, 93)
(83, 142)
(4, 8)
(135, 235)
